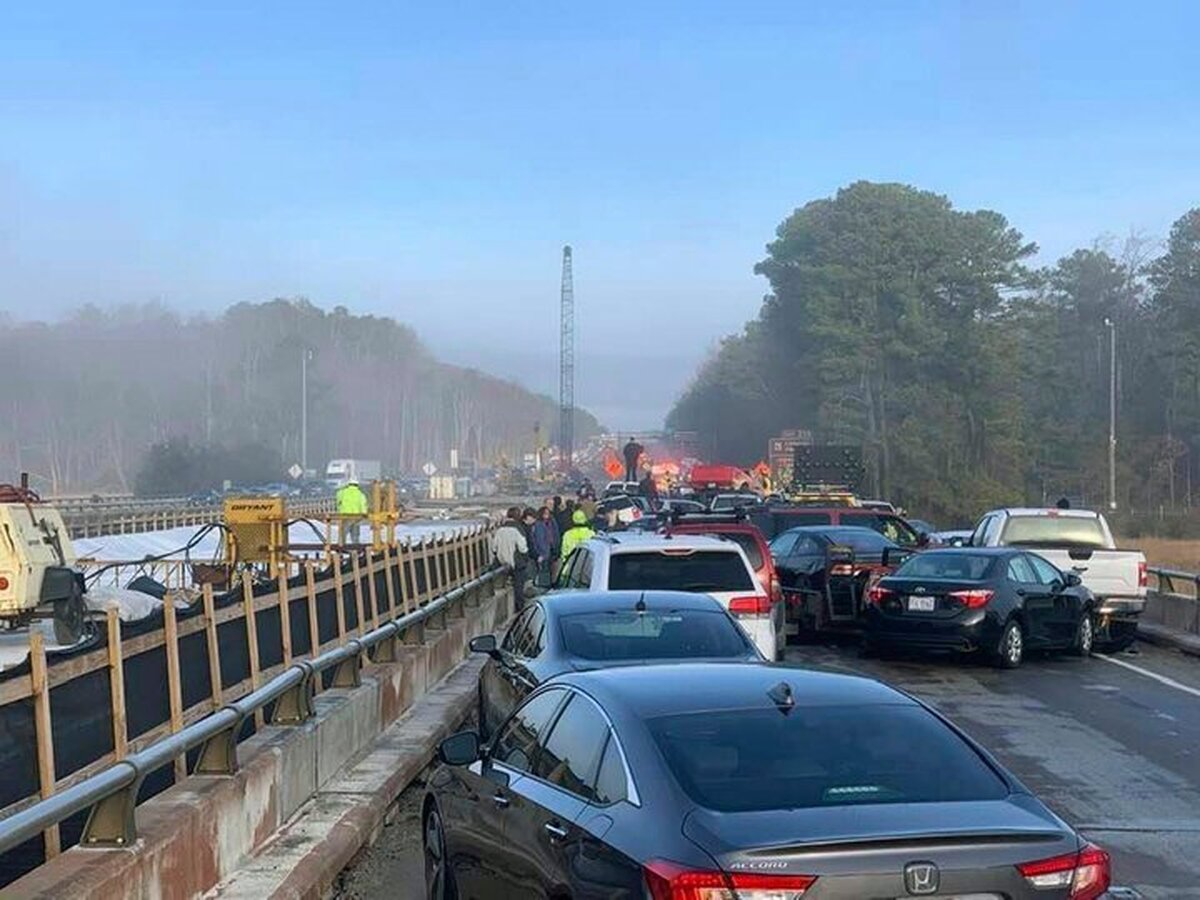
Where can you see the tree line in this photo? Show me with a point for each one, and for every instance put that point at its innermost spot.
(86, 398)
(970, 377)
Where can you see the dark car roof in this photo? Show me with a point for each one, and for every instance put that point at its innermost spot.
(702, 687)
(570, 602)
(833, 531)
(976, 551)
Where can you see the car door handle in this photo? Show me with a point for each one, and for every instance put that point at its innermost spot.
(556, 831)
(501, 801)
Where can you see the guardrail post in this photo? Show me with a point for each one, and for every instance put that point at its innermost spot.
(295, 705)
(218, 754)
(385, 650)
(348, 673)
(414, 634)
(112, 821)
(40, 682)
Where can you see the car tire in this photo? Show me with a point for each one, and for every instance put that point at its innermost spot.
(1010, 650)
(439, 879)
(1085, 635)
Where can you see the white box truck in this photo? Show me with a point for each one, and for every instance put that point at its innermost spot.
(340, 471)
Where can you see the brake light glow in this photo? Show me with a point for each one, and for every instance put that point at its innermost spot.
(973, 599)
(776, 588)
(1143, 578)
(877, 594)
(758, 605)
(1088, 873)
(671, 881)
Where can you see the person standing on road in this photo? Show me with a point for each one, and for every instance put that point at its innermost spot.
(545, 547)
(352, 508)
(579, 532)
(649, 490)
(564, 516)
(509, 548)
(632, 452)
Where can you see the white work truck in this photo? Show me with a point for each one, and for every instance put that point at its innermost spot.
(1080, 541)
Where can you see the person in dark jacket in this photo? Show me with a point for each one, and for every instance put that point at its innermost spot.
(632, 451)
(649, 490)
(563, 517)
(546, 544)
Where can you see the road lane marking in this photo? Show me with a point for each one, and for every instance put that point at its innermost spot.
(1162, 679)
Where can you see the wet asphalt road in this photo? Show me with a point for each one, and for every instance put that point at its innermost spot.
(1113, 750)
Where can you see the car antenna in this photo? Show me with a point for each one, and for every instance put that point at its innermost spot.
(781, 695)
(640, 606)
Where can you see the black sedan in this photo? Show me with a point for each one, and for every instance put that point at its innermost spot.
(999, 601)
(569, 631)
(745, 780)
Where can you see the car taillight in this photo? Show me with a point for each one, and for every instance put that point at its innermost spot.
(877, 594)
(775, 589)
(1088, 873)
(758, 605)
(671, 881)
(972, 599)
(1143, 576)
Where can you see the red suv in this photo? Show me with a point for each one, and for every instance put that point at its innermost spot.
(746, 534)
(774, 520)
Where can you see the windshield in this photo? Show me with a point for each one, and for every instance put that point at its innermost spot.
(676, 634)
(959, 566)
(759, 759)
(1053, 531)
(703, 571)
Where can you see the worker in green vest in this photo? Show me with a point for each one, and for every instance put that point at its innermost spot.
(579, 532)
(352, 508)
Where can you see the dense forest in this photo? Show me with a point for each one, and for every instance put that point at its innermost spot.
(85, 398)
(970, 377)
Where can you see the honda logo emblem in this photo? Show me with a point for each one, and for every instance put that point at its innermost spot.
(921, 878)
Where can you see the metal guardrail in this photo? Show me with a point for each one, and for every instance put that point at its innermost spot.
(1169, 578)
(1170, 604)
(111, 794)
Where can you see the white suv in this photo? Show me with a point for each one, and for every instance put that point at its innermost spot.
(700, 564)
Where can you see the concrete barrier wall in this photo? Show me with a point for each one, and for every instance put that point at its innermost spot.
(1173, 610)
(200, 831)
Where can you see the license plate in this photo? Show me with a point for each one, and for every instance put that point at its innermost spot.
(922, 604)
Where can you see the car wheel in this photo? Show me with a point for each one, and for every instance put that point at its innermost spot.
(1085, 635)
(439, 881)
(1011, 649)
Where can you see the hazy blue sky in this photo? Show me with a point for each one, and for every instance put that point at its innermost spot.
(428, 162)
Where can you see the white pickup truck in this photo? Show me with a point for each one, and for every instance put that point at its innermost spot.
(1078, 540)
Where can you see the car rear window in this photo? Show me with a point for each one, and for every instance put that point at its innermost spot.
(679, 634)
(960, 566)
(703, 571)
(862, 540)
(749, 546)
(760, 759)
(1049, 530)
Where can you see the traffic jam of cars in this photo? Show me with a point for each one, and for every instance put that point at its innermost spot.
(638, 737)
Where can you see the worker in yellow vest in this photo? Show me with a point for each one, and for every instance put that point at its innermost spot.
(352, 509)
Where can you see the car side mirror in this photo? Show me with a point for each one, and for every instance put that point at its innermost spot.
(460, 749)
(483, 643)
(1072, 579)
(886, 559)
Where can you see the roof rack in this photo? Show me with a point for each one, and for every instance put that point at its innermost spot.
(679, 517)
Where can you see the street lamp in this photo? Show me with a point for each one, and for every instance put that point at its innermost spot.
(305, 356)
(1112, 412)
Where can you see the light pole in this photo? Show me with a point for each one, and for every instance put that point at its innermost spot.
(304, 356)
(1112, 412)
